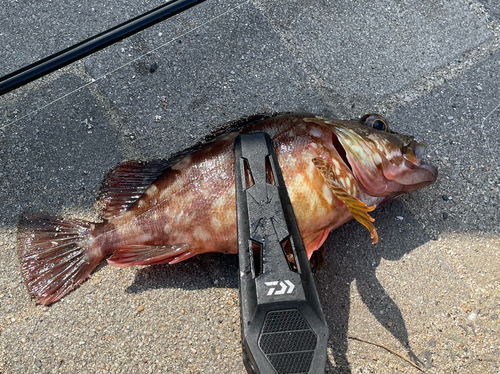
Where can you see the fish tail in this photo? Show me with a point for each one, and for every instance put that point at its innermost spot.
(56, 255)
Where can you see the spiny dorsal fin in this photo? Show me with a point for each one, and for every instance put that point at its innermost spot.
(358, 208)
(125, 184)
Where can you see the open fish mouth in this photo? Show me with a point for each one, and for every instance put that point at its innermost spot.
(415, 173)
(419, 152)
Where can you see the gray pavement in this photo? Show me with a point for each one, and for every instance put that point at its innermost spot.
(429, 289)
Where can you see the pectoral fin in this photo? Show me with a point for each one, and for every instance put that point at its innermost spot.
(358, 208)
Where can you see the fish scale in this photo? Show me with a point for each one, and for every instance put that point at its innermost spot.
(166, 211)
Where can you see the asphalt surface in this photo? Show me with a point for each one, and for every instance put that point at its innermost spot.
(428, 290)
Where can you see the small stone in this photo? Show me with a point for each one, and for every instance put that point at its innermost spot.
(472, 316)
(450, 117)
(140, 308)
(399, 218)
(389, 324)
(445, 215)
(38, 364)
(153, 67)
(375, 358)
(479, 88)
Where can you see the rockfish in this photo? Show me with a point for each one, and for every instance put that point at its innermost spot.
(168, 211)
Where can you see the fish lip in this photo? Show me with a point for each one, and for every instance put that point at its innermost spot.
(418, 150)
(432, 169)
(427, 175)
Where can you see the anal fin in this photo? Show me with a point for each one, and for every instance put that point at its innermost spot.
(149, 255)
(358, 208)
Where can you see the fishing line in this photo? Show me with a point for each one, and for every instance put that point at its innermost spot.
(124, 65)
(486, 136)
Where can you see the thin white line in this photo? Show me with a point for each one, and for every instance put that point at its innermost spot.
(486, 136)
(126, 64)
(493, 111)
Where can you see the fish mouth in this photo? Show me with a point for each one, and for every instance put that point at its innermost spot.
(419, 177)
(419, 173)
(424, 176)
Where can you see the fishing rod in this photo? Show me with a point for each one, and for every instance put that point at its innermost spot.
(93, 44)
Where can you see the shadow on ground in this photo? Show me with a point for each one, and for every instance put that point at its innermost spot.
(350, 257)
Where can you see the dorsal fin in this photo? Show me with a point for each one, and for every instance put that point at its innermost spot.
(125, 184)
(358, 208)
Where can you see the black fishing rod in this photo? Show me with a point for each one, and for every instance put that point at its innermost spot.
(93, 44)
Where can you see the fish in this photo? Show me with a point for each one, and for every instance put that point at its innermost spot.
(167, 211)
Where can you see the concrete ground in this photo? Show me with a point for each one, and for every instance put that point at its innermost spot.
(429, 290)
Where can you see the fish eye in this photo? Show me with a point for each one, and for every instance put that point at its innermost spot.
(375, 121)
(378, 124)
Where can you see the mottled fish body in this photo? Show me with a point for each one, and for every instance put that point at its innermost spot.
(168, 211)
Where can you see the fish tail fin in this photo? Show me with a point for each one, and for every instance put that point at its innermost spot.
(55, 255)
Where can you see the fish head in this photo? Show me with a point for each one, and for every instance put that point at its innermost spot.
(384, 163)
